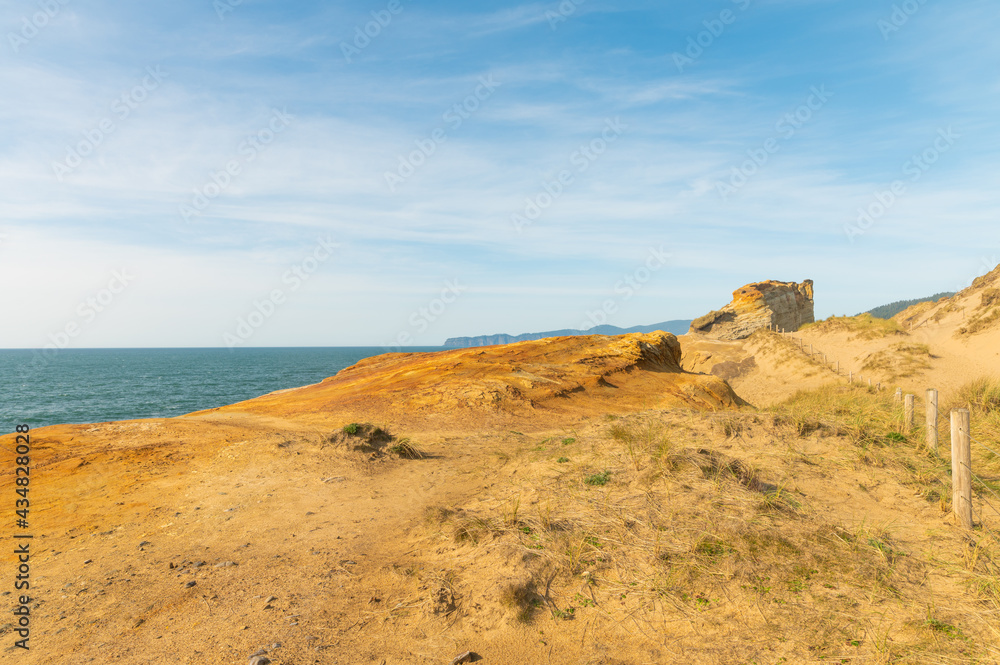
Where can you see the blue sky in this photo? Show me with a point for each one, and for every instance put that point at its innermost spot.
(178, 174)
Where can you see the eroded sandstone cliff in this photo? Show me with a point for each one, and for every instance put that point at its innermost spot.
(559, 374)
(783, 305)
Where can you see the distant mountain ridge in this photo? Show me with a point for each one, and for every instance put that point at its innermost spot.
(894, 308)
(678, 327)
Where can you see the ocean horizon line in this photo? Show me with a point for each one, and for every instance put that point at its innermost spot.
(219, 348)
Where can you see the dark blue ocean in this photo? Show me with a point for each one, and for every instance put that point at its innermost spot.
(98, 385)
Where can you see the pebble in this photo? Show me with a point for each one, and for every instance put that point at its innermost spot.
(144, 543)
(190, 584)
(260, 660)
(462, 658)
(226, 564)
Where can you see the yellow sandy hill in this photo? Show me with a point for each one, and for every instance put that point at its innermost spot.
(547, 378)
(125, 514)
(939, 345)
(580, 500)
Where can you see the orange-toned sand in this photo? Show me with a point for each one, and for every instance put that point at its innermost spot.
(123, 513)
(318, 550)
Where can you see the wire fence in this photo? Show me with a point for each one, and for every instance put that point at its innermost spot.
(835, 367)
(832, 365)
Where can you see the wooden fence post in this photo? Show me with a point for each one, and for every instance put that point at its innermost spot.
(932, 420)
(961, 467)
(850, 377)
(899, 394)
(908, 414)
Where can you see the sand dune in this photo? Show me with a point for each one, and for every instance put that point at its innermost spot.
(574, 500)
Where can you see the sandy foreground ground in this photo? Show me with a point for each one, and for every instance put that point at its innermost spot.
(209, 537)
(264, 528)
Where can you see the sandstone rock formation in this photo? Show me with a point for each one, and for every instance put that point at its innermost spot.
(785, 305)
(144, 516)
(558, 374)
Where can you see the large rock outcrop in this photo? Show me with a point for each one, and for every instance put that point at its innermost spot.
(784, 305)
(586, 374)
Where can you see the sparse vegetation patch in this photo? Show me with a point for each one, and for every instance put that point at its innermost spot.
(599, 479)
(863, 326)
(980, 322)
(899, 361)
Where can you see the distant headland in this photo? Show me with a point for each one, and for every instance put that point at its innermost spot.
(678, 327)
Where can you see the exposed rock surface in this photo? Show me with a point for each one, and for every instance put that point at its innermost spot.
(559, 374)
(785, 305)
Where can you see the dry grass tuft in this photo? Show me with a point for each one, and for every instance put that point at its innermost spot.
(899, 361)
(644, 441)
(989, 298)
(688, 533)
(980, 322)
(404, 448)
(522, 598)
(981, 395)
(863, 326)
